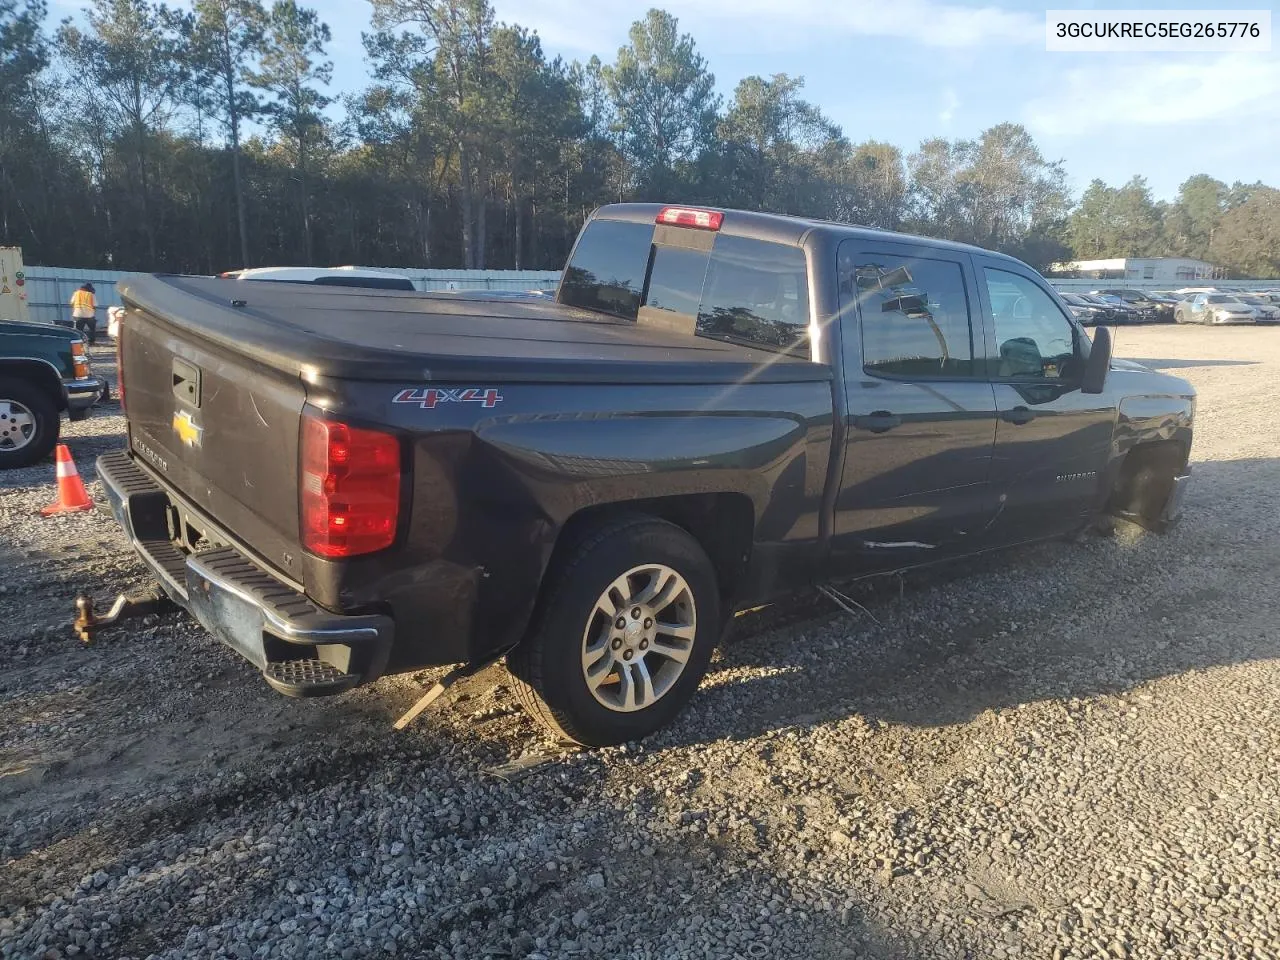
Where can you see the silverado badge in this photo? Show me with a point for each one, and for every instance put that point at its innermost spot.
(187, 429)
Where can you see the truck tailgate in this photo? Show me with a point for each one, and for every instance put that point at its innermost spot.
(220, 429)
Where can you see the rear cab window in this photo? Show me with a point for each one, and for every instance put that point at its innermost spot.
(756, 294)
(753, 293)
(607, 271)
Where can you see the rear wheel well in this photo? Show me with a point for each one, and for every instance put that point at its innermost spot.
(722, 523)
(1146, 477)
(38, 374)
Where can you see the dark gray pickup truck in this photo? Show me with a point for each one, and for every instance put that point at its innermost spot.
(718, 408)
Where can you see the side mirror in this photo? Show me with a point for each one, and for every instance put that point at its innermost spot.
(1099, 362)
(898, 277)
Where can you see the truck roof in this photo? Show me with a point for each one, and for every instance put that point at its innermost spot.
(782, 228)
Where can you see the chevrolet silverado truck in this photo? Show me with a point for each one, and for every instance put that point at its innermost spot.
(717, 409)
(44, 372)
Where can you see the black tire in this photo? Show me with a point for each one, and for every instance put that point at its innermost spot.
(548, 663)
(44, 412)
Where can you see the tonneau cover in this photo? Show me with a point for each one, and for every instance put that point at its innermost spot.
(322, 331)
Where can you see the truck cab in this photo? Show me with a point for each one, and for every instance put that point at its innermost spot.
(963, 419)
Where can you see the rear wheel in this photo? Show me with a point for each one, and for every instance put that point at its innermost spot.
(29, 423)
(624, 634)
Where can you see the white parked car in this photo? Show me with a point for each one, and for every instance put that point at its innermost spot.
(1263, 309)
(1214, 308)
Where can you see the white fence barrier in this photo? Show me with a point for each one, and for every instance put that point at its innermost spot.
(49, 289)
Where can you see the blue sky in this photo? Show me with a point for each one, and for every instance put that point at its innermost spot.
(904, 70)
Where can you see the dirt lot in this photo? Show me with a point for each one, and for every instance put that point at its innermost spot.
(1068, 751)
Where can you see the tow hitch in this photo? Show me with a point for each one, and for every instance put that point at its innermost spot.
(134, 603)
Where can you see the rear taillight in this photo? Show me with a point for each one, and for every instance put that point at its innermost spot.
(79, 360)
(688, 217)
(350, 488)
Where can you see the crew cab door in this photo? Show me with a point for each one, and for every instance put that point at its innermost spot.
(920, 412)
(1052, 440)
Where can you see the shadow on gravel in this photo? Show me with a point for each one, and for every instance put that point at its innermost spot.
(218, 839)
(936, 659)
(1096, 617)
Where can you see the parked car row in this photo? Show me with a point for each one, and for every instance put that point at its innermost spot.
(1151, 307)
(1209, 305)
(1104, 306)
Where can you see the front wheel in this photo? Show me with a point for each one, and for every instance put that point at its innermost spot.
(29, 423)
(623, 636)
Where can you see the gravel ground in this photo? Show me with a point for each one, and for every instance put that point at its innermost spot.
(1066, 751)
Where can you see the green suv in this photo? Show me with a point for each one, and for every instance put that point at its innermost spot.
(44, 370)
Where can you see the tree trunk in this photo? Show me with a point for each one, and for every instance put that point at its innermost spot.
(307, 247)
(465, 200)
(519, 234)
(426, 237)
(147, 225)
(482, 224)
(239, 187)
(307, 244)
(533, 235)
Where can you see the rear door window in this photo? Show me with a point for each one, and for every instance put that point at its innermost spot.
(914, 312)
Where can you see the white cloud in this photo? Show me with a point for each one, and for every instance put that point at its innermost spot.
(763, 25)
(1157, 92)
(949, 103)
(935, 24)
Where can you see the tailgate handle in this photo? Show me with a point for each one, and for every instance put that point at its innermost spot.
(186, 382)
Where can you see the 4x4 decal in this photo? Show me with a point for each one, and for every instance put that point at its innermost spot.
(428, 398)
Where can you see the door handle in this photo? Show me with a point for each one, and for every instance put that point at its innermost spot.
(1018, 415)
(878, 421)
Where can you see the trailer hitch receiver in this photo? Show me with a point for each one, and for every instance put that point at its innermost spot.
(135, 603)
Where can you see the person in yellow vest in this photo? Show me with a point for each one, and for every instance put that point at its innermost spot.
(84, 312)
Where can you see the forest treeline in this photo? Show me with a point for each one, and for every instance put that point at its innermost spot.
(143, 136)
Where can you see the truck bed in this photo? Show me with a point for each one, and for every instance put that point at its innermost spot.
(321, 331)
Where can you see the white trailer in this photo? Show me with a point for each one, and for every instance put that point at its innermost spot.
(13, 285)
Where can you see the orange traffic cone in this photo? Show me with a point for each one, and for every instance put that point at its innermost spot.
(71, 493)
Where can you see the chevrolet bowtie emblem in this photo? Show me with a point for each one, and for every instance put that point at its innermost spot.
(186, 429)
